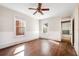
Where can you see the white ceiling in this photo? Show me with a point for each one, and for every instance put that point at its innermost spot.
(56, 9)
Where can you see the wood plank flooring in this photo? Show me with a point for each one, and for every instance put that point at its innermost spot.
(40, 47)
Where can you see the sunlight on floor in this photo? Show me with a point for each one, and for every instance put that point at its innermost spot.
(54, 42)
(20, 54)
(19, 51)
(45, 50)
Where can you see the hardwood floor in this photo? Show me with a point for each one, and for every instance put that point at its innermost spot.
(40, 47)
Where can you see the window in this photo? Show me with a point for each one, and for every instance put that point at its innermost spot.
(45, 28)
(20, 27)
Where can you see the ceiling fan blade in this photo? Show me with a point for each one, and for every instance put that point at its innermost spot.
(32, 8)
(39, 5)
(41, 12)
(34, 12)
(47, 9)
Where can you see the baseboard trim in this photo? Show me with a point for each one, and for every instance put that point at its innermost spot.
(15, 43)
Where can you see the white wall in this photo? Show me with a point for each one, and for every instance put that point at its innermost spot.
(7, 31)
(76, 18)
(54, 28)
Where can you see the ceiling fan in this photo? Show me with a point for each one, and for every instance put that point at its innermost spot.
(39, 9)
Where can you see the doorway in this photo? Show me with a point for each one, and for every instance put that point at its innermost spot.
(67, 29)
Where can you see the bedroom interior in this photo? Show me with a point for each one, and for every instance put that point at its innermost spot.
(39, 29)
